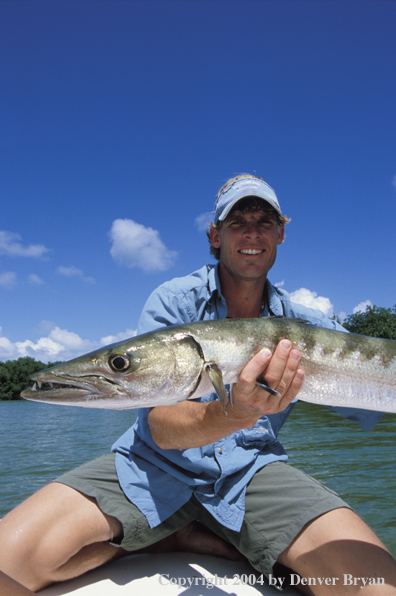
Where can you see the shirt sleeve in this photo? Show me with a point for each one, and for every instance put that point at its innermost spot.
(162, 309)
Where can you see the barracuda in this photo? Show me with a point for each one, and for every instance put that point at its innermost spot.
(172, 364)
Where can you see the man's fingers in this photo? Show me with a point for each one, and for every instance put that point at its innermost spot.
(252, 370)
(283, 366)
(281, 373)
(294, 387)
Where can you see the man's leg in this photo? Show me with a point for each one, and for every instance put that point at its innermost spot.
(292, 519)
(64, 530)
(10, 587)
(340, 545)
(56, 534)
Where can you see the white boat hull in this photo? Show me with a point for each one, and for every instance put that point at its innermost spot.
(169, 574)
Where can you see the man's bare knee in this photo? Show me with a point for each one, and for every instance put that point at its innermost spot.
(339, 543)
(40, 536)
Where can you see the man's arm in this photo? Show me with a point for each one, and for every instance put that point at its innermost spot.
(194, 424)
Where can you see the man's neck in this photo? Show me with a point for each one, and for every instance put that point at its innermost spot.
(244, 298)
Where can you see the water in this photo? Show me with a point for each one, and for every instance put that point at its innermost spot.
(40, 441)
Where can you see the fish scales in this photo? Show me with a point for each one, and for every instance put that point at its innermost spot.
(177, 363)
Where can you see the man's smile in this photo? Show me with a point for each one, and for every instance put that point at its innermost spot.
(251, 251)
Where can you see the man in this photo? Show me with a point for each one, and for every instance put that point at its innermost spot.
(193, 461)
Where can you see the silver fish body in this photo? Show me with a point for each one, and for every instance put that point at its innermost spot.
(172, 364)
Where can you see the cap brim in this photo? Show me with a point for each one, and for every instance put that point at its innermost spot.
(227, 209)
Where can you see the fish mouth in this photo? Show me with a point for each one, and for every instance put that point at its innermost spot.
(44, 390)
(52, 391)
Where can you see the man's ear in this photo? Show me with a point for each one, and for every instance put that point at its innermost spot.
(214, 237)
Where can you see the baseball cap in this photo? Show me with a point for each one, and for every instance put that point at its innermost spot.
(249, 186)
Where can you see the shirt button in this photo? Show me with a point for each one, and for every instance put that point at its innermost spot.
(220, 451)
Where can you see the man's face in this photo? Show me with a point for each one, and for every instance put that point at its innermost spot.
(248, 243)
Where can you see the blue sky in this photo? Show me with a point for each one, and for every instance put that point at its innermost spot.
(120, 119)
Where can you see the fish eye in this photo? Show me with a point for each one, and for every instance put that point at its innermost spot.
(120, 362)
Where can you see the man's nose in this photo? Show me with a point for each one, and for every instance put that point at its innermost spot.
(252, 230)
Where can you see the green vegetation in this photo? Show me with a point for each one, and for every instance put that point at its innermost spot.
(15, 375)
(375, 321)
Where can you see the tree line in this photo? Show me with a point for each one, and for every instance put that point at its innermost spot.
(375, 321)
(15, 375)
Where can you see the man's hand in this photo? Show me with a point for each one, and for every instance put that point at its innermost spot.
(281, 372)
(194, 424)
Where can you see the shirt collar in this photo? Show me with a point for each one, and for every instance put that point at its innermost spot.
(272, 300)
(214, 281)
(273, 303)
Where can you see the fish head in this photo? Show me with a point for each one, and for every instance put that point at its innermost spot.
(143, 371)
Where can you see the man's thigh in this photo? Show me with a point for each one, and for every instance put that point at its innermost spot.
(339, 543)
(49, 527)
(280, 501)
(98, 480)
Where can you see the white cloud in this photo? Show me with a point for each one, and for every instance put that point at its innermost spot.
(7, 349)
(8, 279)
(58, 344)
(45, 326)
(134, 245)
(362, 306)
(35, 280)
(45, 349)
(74, 272)
(70, 340)
(312, 300)
(280, 284)
(112, 339)
(394, 181)
(10, 245)
(203, 220)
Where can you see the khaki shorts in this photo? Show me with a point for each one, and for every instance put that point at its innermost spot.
(280, 501)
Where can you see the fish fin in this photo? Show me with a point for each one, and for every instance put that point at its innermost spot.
(216, 377)
(263, 385)
(230, 397)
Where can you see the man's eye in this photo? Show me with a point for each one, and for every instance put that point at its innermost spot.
(268, 223)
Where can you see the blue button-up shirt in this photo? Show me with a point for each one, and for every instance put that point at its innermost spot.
(160, 481)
